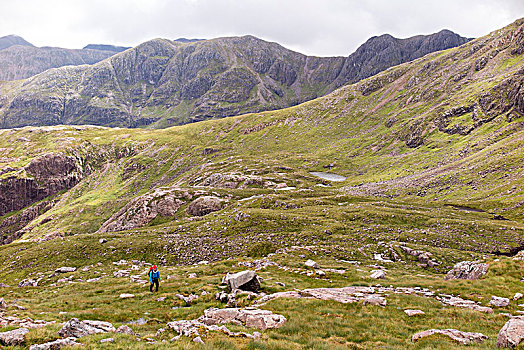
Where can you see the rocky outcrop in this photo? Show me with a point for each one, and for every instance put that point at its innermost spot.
(214, 320)
(75, 328)
(143, 209)
(211, 78)
(467, 270)
(15, 337)
(204, 205)
(463, 338)
(512, 333)
(55, 345)
(250, 317)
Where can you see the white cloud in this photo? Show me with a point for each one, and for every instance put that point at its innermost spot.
(328, 27)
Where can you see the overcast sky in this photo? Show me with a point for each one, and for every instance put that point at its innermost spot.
(315, 27)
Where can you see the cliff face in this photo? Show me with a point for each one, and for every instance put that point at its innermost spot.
(162, 82)
(42, 177)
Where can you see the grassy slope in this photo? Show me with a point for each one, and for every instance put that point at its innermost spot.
(393, 194)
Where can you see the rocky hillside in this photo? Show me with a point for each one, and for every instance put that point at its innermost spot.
(20, 59)
(163, 82)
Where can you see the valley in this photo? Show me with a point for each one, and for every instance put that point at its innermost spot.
(428, 158)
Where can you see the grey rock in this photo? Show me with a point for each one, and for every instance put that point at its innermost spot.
(469, 270)
(77, 329)
(375, 300)
(463, 338)
(28, 283)
(65, 269)
(410, 312)
(244, 280)
(498, 301)
(312, 264)
(55, 345)
(512, 333)
(15, 337)
(123, 329)
(378, 274)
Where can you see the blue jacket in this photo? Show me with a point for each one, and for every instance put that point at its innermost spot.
(154, 276)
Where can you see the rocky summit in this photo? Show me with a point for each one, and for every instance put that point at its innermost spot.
(164, 82)
(386, 212)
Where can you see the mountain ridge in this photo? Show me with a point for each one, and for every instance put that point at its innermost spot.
(163, 82)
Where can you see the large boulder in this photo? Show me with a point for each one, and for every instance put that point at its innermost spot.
(77, 329)
(244, 280)
(467, 270)
(512, 333)
(13, 338)
(54, 345)
(460, 337)
(204, 205)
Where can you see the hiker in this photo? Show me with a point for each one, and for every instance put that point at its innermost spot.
(154, 278)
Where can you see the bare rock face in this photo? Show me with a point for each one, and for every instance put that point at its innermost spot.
(464, 338)
(77, 329)
(46, 176)
(244, 280)
(142, 210)
(204, 205)
(468, 270)
(14, 337)
(512, 333)
(57, 344)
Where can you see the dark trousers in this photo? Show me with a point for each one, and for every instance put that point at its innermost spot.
(155, 283)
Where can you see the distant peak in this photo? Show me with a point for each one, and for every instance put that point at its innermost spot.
(185, 40)
(103, 47)
(11, 40)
